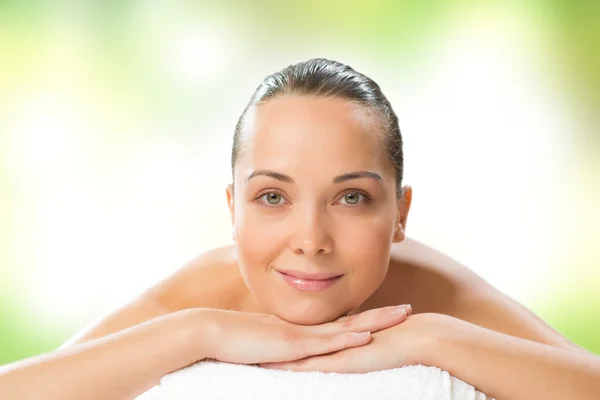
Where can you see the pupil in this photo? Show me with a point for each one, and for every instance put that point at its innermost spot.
(351, 198)
(273, 198)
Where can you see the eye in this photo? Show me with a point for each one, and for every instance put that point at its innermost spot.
(272, 198)
(352, 198)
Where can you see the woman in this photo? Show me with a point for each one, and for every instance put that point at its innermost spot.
(319, 217)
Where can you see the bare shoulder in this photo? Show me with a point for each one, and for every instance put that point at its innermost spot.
(435, 282)
(211, 280)
(426, 278)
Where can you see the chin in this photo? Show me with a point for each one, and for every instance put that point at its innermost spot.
(313, 314)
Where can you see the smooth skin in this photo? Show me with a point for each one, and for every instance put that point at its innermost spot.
(123, 365)
(300, 200)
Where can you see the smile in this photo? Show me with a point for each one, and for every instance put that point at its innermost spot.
(309, 282)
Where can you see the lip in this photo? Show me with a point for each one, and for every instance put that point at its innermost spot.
(317, 276)
(325, 281)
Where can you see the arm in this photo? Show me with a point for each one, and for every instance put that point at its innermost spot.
(461, 293)
(142, 309)
(507, 367)
(493, 310)
(119, 366)
(184, 289)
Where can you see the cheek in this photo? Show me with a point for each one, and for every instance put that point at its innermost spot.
(259, 241)
(366, 245)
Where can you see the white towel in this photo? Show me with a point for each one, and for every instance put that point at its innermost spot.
(216, 380)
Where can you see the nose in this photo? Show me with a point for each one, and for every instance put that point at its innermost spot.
(311, 234)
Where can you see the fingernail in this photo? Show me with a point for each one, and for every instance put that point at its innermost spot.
(399, 310)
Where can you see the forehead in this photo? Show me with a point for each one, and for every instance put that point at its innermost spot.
(293, 131)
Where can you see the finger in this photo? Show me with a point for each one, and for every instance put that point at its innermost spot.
(341, 362)
(372, 320)
(329, 343)
(323, 363)
(375, 311)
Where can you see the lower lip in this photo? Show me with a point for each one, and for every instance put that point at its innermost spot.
(309, 285)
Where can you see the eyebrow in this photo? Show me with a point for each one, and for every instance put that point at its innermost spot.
(338, 179)
(357, 175)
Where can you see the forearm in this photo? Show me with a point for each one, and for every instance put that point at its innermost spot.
(132, 314)
(507, 367)
(119, 366)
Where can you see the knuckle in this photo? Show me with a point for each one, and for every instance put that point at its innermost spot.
(347, 324)
(317, 345)
(299, 337)
(328, 341)
(292, 335)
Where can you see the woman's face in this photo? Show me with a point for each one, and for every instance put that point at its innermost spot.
(314, 194)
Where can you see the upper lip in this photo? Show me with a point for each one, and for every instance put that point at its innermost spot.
(315, 276)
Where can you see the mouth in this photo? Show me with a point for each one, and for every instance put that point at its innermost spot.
(309, 282)
(316, 276)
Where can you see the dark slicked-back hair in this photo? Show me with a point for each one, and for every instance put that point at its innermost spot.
(327, 78)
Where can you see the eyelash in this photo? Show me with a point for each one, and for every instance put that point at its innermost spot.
(266, 203)
(366, 197)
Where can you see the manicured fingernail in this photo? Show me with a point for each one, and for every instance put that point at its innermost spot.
(399, 310)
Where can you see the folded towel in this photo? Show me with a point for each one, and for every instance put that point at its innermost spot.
(216, 380)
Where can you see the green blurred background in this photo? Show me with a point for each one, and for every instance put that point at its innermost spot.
(116, 119)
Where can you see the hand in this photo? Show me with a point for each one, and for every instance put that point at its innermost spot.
(409, 343)
(251, 338)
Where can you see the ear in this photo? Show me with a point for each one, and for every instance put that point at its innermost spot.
(230, 202)
(231, 209)
(403, 208)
